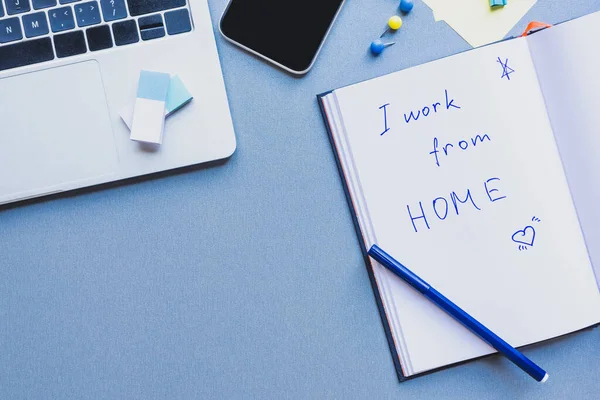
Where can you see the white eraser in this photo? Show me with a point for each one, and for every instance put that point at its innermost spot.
(127, 114)
(177, 97)
(149, 111)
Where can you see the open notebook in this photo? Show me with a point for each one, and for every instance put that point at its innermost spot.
(480, 172)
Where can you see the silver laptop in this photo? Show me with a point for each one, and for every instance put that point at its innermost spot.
(68, 68)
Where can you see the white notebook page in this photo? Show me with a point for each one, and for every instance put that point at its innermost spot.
(571, 87)
(527, 289)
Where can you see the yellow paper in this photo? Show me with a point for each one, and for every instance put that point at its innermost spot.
(476, 21)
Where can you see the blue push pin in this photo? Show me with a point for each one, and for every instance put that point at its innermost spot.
(406, 6)
(377, 46)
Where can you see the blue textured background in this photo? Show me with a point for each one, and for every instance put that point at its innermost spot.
(243, 280)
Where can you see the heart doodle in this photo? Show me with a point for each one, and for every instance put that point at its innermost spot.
(525, 236)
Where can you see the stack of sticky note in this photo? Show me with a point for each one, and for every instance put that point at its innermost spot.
(158, 96)
(476, 21)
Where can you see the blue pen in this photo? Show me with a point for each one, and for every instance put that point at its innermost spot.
(459, 314)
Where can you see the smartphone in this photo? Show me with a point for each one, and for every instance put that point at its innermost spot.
(288, 34)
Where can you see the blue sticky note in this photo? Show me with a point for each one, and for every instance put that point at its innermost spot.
(177, 96)
(149, 110)
(153, 85)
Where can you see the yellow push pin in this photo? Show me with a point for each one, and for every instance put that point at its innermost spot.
(394, 23)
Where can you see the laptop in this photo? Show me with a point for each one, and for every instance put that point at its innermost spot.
(67, 69)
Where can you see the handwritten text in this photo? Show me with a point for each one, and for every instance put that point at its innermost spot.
(463, 145)
(441, 208)
(424, 112)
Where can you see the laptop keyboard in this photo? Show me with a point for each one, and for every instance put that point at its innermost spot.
(35, 31)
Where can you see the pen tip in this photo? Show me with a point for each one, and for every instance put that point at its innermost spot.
(545, 378)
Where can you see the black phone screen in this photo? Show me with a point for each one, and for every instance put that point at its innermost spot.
(289, 33)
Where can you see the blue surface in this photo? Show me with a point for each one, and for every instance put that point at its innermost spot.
(171, 288)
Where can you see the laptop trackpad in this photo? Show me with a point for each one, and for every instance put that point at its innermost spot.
(54, 129)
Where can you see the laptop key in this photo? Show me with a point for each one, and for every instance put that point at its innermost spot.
(141, 7)
(178, 21)
(39, 4)
(17, 6)
(99, 38)
(151, 27)
(68, 1)
(1, 10)
(125, 32)
(26, 53)
(69, 44)
(113, 10)
(87, 14)
(35, 24)
(10, 30)
(61, 19)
